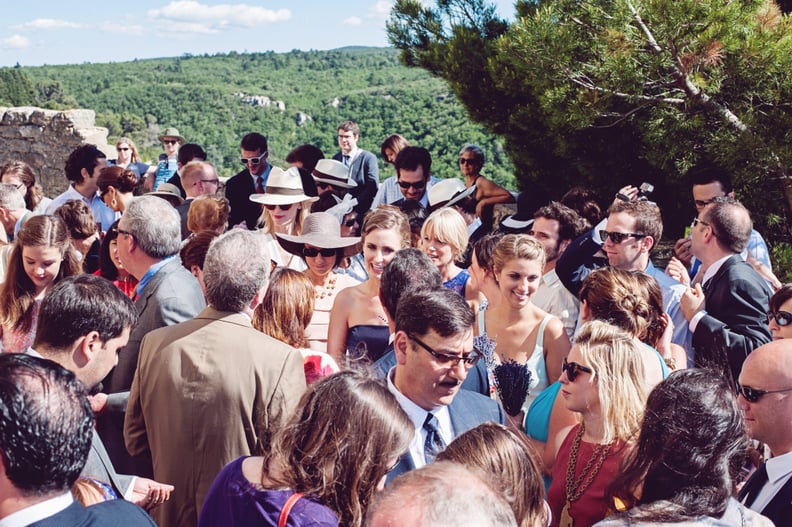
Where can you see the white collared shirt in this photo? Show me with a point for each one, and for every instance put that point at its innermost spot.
(418, 415)
(38, 512)
(779, 470)
(551, 296)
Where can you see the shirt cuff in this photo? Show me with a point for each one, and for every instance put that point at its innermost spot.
(695, 320)
(130, 489)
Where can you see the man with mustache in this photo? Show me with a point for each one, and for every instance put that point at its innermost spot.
(434, 352)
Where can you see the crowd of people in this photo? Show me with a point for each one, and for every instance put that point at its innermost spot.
(307, 346)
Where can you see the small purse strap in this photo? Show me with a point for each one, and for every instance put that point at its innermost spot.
(287, 507)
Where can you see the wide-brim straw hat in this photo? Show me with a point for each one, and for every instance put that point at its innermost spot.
(284, 187)
(321, 230)
(332, 172)
(172, 132)
(448, 192)
(168, 191)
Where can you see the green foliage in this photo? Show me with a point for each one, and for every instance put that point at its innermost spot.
(198, 95)
(15, 87)
(603, 93)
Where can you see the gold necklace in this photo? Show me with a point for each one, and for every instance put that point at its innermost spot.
(576, 487)
(327, 289)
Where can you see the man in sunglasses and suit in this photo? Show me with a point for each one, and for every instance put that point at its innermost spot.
(251, 180)
(626, 237)
(765, 398)
(434, 353)
(727, 311)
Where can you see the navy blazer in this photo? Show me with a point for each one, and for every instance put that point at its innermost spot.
(779, 510)
(365, 172)
(467, 411)
(737, 300)
(238, 190)
(105, 514)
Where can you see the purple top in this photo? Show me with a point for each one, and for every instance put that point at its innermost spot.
(233, 501)
(459, 282)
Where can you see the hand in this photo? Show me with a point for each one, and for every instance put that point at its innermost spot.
(98, 402)
(629, 191)
(148, 493)
(664, 346)
(692, 301)
(682, 251)
(677, 271)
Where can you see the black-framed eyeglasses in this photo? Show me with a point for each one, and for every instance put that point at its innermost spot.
(418, 185)
(287, 206)
(252, 160)
(466, 161)
(696, 221)
(468, 360)
(618, 237)
(752, 395)
(125, 233)
(573, 369)
(782, 318)
(312, 252)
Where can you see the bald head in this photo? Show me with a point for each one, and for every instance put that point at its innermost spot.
(769, 418)
(730, 222)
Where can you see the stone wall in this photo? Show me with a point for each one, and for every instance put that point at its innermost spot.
(45, 138)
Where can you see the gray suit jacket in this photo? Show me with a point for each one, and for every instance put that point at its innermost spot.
(99, 466)
(365, 172)
(172, 296)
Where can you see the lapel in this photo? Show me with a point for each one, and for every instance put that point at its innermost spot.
(101, 455)
(156, 280)
(717, 277)
(781, 505)
(463, 417)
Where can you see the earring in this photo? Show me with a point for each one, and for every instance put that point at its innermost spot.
(113, 202)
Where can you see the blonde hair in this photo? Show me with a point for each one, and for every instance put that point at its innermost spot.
(618, 369)
(387, 217)
(267, 224)
(208, 213)
(517, 247)
(448, 226)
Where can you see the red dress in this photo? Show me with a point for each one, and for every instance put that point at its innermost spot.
(592, 506)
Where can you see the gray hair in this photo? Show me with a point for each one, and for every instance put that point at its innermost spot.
(445, 494)
(237, 266)
(155, 224)
(476, 150)
(11, 198)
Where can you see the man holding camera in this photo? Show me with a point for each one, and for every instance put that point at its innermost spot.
(627, 236)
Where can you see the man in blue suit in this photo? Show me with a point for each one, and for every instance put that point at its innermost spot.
(45, 437)
(362, 166)
(434, 351)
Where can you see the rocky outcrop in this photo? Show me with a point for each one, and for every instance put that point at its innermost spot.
(45, 138)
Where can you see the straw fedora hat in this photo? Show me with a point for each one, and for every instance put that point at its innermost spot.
(171, 132)
(169, 192)
(322, 230)
(448, 192)
(332, 172)
(284, 187)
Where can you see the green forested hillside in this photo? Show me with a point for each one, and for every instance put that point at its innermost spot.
(199, 95)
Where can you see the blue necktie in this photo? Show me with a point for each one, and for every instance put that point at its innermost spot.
(346, 161)
(433, 444)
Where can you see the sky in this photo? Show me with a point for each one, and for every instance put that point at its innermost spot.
(37, 32)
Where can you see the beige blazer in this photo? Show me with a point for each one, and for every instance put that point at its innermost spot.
(205, 392)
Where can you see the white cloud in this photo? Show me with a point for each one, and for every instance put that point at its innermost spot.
(352, 21)
(194, 17)
(15, 41)
(381, 9)
(49, 23)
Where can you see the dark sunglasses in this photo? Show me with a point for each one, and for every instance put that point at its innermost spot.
(322, 186)
(312, 252)
(464, 161)
(417, 186)
(122, 149)
(468, 360)
(573, 369)
(252, 160)
(782, 318)
(170, 141)
(349, 223)
(281, 207)
(618, 237)
(752, 395)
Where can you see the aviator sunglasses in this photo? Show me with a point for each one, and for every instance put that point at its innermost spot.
(752, 395)
(417, 185)
(782, 318)
(573, 369)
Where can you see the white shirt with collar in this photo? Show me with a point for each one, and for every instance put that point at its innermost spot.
(711, 271)
(418, 415)
(551, 296)
(38, 512)
(779, 470)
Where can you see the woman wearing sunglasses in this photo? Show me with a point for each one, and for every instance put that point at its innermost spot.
(681, 472)
(322, 247)
(358, 325)
(284, 207)
(603, 381)
(488, 193)
(780, 316)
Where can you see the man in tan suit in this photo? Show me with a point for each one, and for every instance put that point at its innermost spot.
(211, 389)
